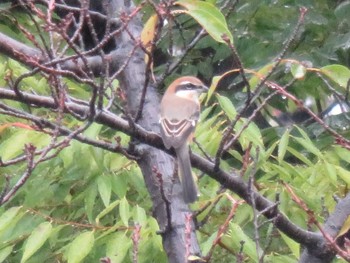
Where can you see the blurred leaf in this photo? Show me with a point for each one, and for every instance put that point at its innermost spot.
(7, 217)
(338, 73)
(14, 145)
(209, 17)
(238, 235)
(119, 184)
(80, 247)
(118, 246)
(331, 172)
(282, 146)
(260, 74)
(343, 174)
(104, 188)
(342, 11)
(207, 245)
(148, 33)
(298, 70)
(250, 134)
(5, 252)
(124, 211)
(307, 143)
(90, 198)
(106, 211)
(140, 216)
(227, 106)
(293, 246)
(345, 227)
(214, 83)
(36, 239)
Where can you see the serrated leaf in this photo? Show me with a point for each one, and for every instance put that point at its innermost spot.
(227, 106)
(282, 146)
(104, 188)
(36, 240)
(80, 247)
(124, 211)
(209, 17)
(338, 73)
(7, 217)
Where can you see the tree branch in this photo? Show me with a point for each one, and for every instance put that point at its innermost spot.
(231, 181)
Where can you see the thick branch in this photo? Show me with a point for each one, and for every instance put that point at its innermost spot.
(22, 52)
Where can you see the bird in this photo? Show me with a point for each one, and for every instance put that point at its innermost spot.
(179, 114)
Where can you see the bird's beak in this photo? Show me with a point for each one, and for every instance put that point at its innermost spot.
(204, 89)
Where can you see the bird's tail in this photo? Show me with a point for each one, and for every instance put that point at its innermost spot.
(189, 188)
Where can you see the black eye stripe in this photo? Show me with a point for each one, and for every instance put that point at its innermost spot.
(187, 86)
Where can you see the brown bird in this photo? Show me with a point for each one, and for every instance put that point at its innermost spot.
(179, 114)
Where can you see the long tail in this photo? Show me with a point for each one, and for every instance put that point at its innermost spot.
(189, 188)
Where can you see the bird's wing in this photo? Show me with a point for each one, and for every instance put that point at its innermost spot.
(175, 132)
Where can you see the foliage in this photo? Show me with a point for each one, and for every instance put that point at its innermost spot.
(86, 203)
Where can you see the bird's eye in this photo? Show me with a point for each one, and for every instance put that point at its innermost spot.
(190, 86)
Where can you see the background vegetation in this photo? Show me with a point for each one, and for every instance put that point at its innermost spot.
(75, 172)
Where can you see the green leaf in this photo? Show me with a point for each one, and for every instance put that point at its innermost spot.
(209, 17)
(255, 80)
(106, 211)
(293, 246)
(300, 156)
(212, 88)
(105, 189)
(227, 106)
(208, 244)
(5, 252)
(307, 143)
(282, 146)
(342, 11)
(118, 246)
(215, 81)
(331, 172)
(80, 247)
(250, 134)
(7, 217)
(343, 174)
(140, 216)
(89, 201)
(35, 241)
(124, 211)
(119, 184)
(298, 70)
(238, 235)
(338, 73)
